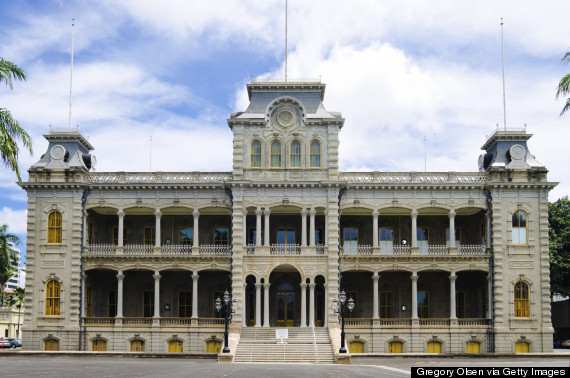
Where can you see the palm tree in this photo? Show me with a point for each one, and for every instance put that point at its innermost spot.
(7, 257)
(564, 85)
(17, 299)
(10, 130)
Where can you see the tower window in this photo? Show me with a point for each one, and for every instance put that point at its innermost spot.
(295, 154)
(315, 154)
(255, 155)
(275, 155)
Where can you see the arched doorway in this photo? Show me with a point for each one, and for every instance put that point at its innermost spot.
(285, 297)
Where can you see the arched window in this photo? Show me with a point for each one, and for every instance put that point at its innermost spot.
(275, 155)
(434, 347)
(522, 347)
(255, 155)
(213, 346)
(53, 295)
(295, 154)
(315, 154)
(521, 300)
(51, 344)
(519, 228)
(175, 346)
(395, 347)
(473, 347)
(54, 227)
(356, 347)
(99, 345)
(137, 346)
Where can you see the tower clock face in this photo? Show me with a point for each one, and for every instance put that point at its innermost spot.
(517, 151)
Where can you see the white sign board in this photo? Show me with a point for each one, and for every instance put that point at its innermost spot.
(282, 333)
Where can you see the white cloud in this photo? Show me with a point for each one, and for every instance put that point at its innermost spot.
(15, 219)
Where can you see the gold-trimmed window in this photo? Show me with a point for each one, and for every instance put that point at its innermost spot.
(386, 304)
(148, 304)
(137, 346)
(434, 347)
(186, 236)
(522, 303)
(175, 346)
(275, 154)
(522, 347)
(395, 347)
(295, 155)
(473, 347)
(350, 240)
(149, 235)
(53, 298)
(51, 344)
(213, 346)
(54, 227)
(519, 227)
(221, 236)
(99, 345)
(386, 241)
(315, 154)
(356, 347)
(255, 157)
(184, 304)
(423, 240)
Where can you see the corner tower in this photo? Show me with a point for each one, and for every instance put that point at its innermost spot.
(285, 134)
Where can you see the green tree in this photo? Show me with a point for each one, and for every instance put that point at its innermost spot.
(10, 130)
(559, 243)
(564, 85)
(17, 299)
(8, 257)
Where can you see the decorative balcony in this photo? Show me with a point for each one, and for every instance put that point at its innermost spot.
(215, 250)
(177, 249)
(472, 250)
(285, 249)
(138, 249)
(468, 323)
(148, 322)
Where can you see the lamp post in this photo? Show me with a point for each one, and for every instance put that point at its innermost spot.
(230, 306)
(338, 306)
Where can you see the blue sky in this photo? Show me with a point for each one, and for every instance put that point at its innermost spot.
(174, 70)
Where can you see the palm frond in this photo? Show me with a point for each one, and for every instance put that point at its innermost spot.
(563, 86)
(566, 107)
(10, 133)
(10, 71)
(566, 58)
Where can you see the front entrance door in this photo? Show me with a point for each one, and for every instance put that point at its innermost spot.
(286, 308)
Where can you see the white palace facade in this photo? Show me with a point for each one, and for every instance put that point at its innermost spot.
(121, 261)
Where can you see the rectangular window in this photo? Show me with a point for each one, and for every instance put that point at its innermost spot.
(186, 236)
(423, 304)
(149, 235)
(460, 304)
(350, 240)
(286, 238)
(184, 304)
(319, 236)
(221, 236)
(251, 236)
(295, 155)
(423, 240)
(386, 304)
(112, 305)
(116, 236)
(354, 313)
(148, 304)
(386, 241)
(457, 237)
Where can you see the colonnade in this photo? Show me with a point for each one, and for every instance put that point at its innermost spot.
(266, 232)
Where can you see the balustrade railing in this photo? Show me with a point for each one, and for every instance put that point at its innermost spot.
(356, 250)
(175, 321)
(414, 177)
(357, 322)
(401, 250)
(473, 322)
(215, 250)
(157, 177)
(468, 249)
(99, 249)
(285, 249)
(395, 322)
(177, 249)
(434, 249)
(434, 322)
(98, 321)
(138, 249)
(212, 321)
(137, 322)
(250, 249)
(320, 249)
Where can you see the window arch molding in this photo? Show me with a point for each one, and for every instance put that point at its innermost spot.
(256, 153)
(531, 296)
(315, 156)
(276, 153)
(295, 153)
(48, 209)
(44, 293)
(528, 211)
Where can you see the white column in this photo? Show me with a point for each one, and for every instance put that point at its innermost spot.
(311, 305)
(258, 305)
(195, 231)
(121, 215)
(452, 312)
(266, 304)
(267, 212)
(157, 215)
(83, 296)
(258, 213)
(156, 277)
(195, 295)
(120, 278)
(303, 305)
(414, 278)
(414, 228)
(375, 228)
(489, 298)
(452, 228)
(488, 230)
(303, 227)
(312, 227)
(375, 279)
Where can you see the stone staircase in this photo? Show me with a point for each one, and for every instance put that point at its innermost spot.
(311, 345)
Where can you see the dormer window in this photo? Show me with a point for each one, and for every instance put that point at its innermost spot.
(315, 154)
(295, 155)
(275, 154)
(255, 155)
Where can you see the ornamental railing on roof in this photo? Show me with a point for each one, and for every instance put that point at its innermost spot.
(290, 80)
(158, 177)
(414, 177)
